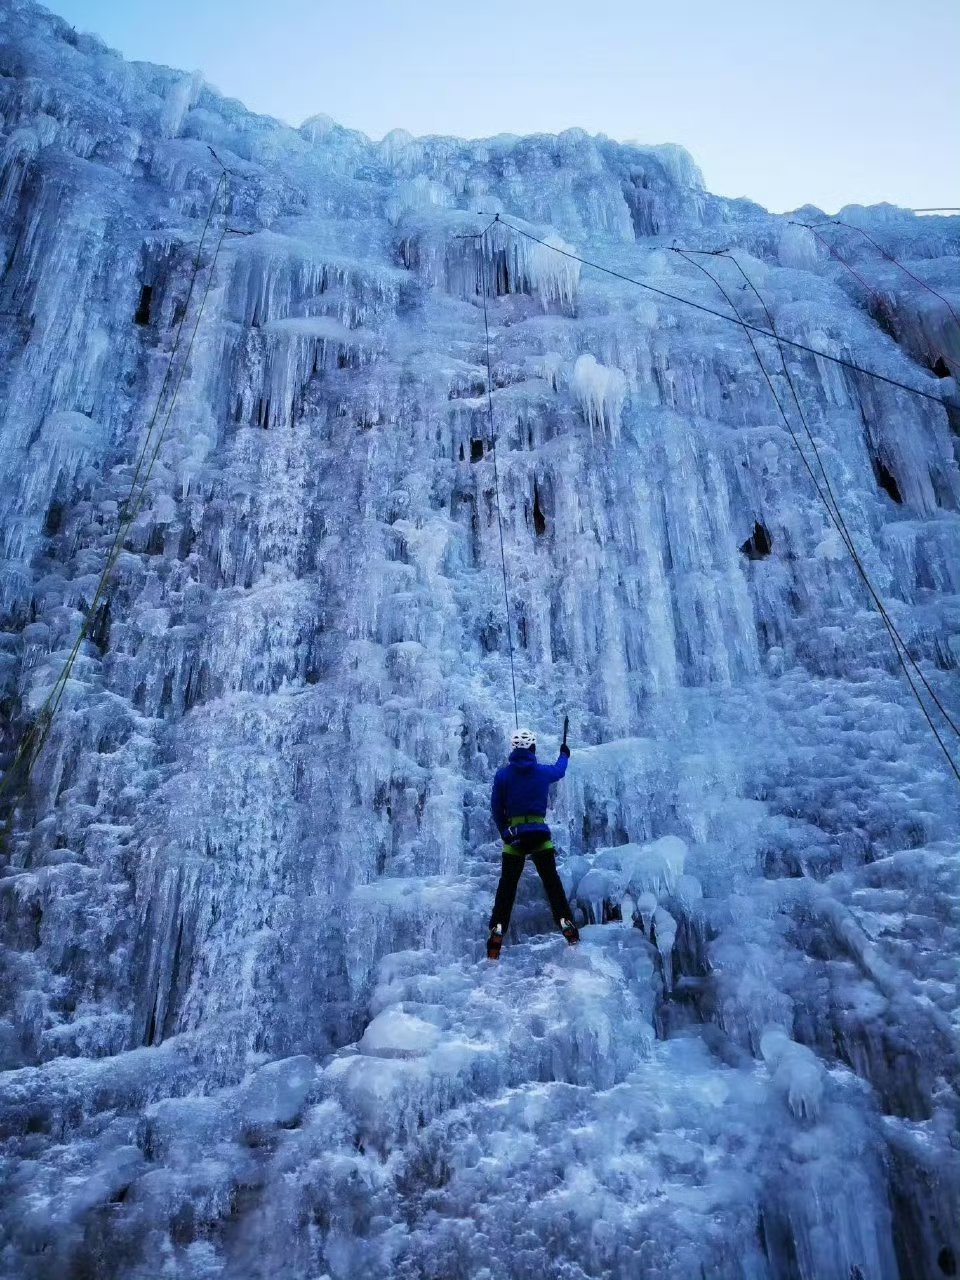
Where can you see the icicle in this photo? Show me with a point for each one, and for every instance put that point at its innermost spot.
(796, 1071)
(646, 906)
(180, 97)
(665, 935)
(600, 392)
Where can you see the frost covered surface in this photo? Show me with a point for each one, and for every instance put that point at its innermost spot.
(247, 1029)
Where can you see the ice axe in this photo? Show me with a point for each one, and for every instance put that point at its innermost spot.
(566, 729)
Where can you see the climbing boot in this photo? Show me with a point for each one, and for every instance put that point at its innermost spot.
(570, 932)
(495, 942)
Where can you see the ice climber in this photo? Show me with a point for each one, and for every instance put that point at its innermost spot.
(519, 806)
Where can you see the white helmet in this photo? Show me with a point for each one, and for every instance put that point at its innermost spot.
(525, 738)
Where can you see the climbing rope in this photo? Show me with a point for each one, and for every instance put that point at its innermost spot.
(719, 315)
(832, 507)
(496, 471)
(34, 740)
(850, 226)
(825, 493)
(836, 513)
(812, 228)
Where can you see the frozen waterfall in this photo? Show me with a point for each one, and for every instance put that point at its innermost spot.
(247, 1028)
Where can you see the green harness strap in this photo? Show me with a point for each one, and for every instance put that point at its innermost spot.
(512, 848)
(521, 820)
(545, 844)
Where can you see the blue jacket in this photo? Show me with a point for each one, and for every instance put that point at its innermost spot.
(522, 787)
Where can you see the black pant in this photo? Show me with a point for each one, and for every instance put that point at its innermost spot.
(510, 871)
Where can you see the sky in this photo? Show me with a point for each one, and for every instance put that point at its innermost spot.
(827, 102)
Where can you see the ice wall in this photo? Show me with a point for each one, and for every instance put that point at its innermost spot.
(246, 1026)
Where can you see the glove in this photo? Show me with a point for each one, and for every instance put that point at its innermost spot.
(508, 835)
(564, 749)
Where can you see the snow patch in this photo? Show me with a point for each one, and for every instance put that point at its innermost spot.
(395, 1034)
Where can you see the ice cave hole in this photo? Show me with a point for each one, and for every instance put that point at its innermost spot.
(759, 545)
(142, 314)
(53, 521)
(941, 368)
(476, 450)
(884, 318)
(539, 519)
(100, 627)
(887, 480)
(946, 1261)
(503, 282)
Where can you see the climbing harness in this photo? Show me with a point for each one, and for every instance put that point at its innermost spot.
(33, 741)
(832, 506)
(522, 848)
(524, 842)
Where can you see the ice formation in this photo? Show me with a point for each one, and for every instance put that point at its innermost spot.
(600, 392)
(246, 1025)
